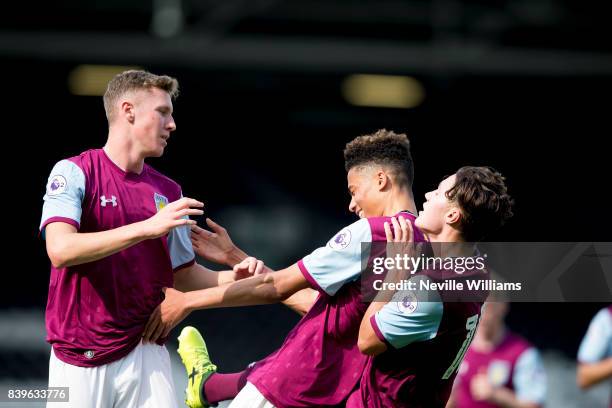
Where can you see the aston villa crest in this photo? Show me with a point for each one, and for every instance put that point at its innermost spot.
(160, 201)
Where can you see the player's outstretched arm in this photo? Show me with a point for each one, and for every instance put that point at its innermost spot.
(217, 246)
(301, 302)
(197, 277)
(590, 374)
(264, 287)
(67, 247)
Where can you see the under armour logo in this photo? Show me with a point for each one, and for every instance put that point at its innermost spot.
(104, 201)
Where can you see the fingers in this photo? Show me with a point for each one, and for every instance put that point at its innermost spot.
(406, 226)
(251, 265)
(197, 230)
(388, 232)
(259, 269)
(200, 233)
(214, 226)
(158, 332)
(187, 202)
(397, 230)
(402, 230)
(151, 325)
(188, 211)
(244, 264)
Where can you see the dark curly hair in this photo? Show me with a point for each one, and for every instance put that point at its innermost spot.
(482, 195)
(383, 147)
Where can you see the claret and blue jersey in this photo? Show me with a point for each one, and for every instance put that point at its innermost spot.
(96, 311)
(320, 364)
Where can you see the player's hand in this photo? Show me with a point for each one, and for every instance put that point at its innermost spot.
(171, 216)
(402, 230)
(249, 267)
(166, 316)
(481, 388)
(400, 239)
(215, 246)
(400, 236)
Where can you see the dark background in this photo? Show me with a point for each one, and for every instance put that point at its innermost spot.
(523, 86)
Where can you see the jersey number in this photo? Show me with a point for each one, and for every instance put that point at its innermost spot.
(470, 326)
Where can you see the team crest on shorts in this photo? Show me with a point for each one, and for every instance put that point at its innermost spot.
(406, 302)
(57, 185)
(342, 240)
(89, 354)
(160, 201)
(498, 372)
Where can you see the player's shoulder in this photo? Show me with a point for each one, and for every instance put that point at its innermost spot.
(76, 166)
(377, 226)
(162, 180)
(603, 318)
(358, 231)
(81, 160)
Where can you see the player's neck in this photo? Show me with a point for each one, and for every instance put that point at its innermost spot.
(400, 201)
(121, 151)
(447, 234)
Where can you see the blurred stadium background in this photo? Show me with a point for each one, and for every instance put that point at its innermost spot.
(271, 91)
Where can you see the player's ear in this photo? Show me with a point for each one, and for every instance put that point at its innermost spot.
(383, 179)
(127, 110)
(453, 216)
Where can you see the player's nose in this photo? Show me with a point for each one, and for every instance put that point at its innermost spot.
(171, 125)
(353, 206)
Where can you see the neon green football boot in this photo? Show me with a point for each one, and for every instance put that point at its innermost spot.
(194, 355)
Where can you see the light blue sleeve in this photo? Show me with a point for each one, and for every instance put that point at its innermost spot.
(340, 261)
(64, 194)
(406, 319)
(179, 245)
(597, 343)
(529, 379)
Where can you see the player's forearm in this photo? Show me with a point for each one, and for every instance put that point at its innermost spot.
(235, 256)
(257, 290)
(368, 342)
(505, 398)
(301, 301)
(195, 277)
(590, 374)
(225, 277)
(265, 288)
(74, 248)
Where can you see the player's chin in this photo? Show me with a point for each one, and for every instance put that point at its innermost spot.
(158, 152)
(420, 223)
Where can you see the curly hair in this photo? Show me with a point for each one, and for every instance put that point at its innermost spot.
(482, 195)
(136, 79)
(383, 147)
